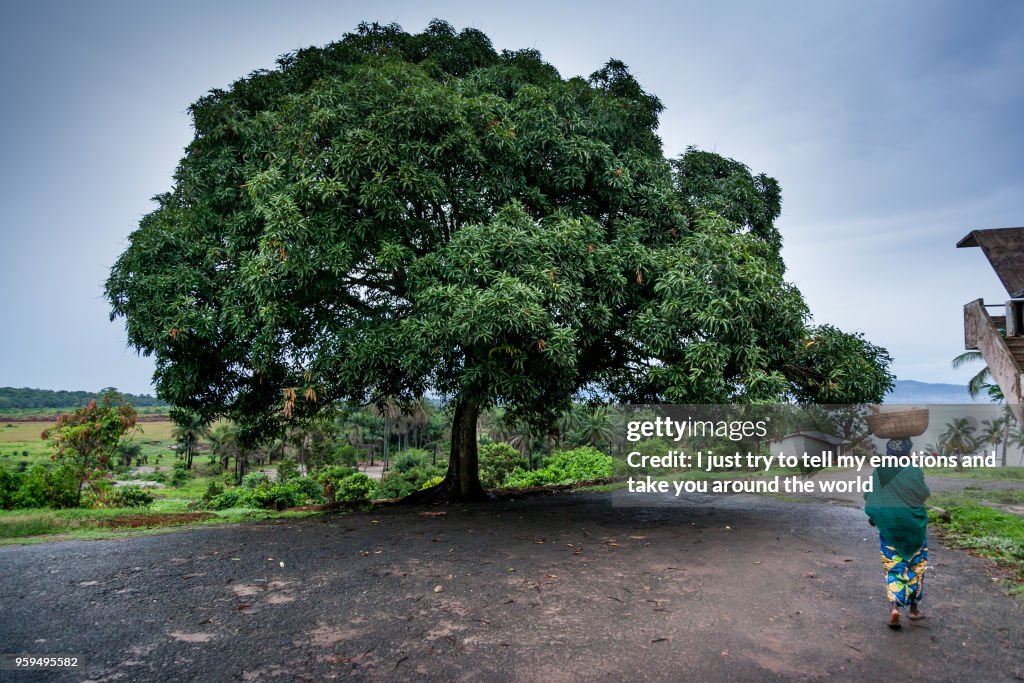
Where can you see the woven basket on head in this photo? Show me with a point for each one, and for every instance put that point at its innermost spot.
(898, 425)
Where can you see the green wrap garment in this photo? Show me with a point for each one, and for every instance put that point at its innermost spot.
(896, 506)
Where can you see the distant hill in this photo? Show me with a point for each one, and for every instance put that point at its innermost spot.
(36, 399)
(909, 391)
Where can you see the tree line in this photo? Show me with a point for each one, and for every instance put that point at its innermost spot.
(12, 398)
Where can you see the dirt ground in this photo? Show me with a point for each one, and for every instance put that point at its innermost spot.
(551, 588)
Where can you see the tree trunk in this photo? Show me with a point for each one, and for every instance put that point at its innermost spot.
(1006, 439)
(462, 481)
(463, 477)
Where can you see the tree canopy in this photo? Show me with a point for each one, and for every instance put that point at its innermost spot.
(398, 213)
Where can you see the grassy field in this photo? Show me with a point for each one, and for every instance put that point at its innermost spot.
(16, 414)
(22, 442)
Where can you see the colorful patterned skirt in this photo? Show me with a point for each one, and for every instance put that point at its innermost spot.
(904, 579)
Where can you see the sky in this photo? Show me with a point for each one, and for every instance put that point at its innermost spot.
(893, 128)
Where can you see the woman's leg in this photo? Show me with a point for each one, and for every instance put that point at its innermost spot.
(918, 565)
(898, 592)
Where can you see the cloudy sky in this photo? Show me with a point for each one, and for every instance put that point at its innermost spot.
(894, 129)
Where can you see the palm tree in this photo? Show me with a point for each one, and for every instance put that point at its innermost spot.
(503, 427)
(224, 442)
(959, 440)
(597, 427)
(980, 382)
(570, 421)
(422, 410)
(1016, 437)
(188, 429)
(997, 431)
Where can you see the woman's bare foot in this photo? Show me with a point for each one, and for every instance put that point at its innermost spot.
(915, 613)
(894, 617)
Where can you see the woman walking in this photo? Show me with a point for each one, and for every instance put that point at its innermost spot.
(895, 505)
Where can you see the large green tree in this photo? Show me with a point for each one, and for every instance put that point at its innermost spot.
(393, 214)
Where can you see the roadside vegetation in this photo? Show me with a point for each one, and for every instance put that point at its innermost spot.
(979, 523)
(161, 473)
(57, 478)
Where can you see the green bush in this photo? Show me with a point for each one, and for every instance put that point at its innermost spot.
(312, 491)
(278, 496)
(265, 494)
(254, 480)
(43, 486)
(132, 497)
(330, 478)
(411, 459)
(355, 487)
(346, 455)
(232, 498)
(497, 460)
(213, 489)
(180, 475)
(98, 494)
(432, 482)
(563, 467)
(10, 482)
(398, 484)
(287, 470)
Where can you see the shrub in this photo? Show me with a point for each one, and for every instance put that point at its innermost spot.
(132, 497)
(312, 491)
(265, 494)
(254, 480)
(180, 475)
(346, 455)
(522, 479)
(355, 487)
(398, 484)
(279, 496)
(411, 459)
(563, 467)
(287, 470)
(99, 494)
(10, 482)
(433, 481)
(232, 498)
(213, 489)
(330, 477)
(497, 460)
(44, 486)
